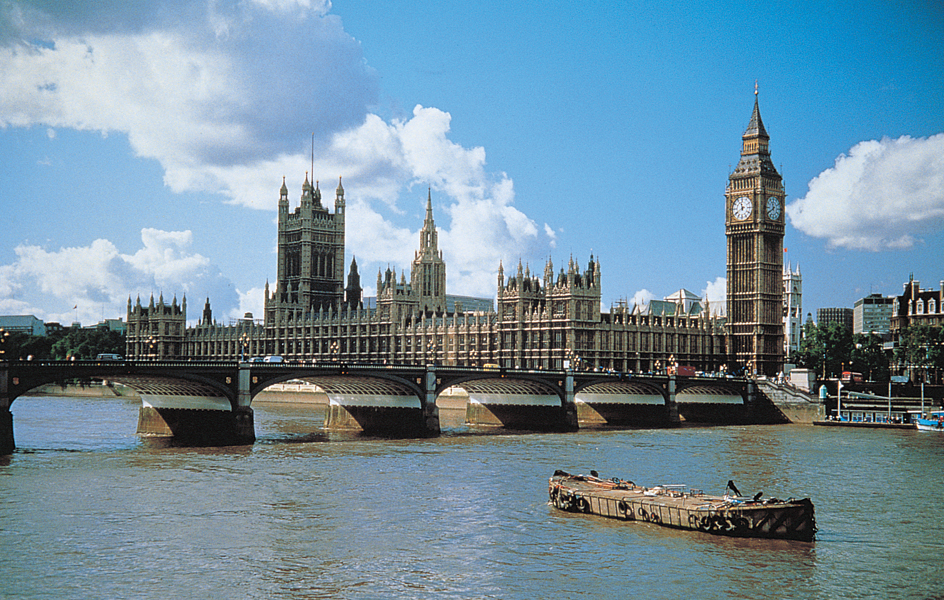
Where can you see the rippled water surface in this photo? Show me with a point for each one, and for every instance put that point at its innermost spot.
(89, 510)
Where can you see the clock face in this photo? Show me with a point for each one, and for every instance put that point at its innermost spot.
(773, 208)
(742, 208)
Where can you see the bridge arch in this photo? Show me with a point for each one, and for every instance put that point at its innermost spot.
(633, 402)
(713, 401)
(514, 401)
(373, 400)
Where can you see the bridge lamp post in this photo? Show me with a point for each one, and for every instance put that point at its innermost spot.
(243, 346)
(151, 342)
(574, 360)
(334, 351)
(431, 351)
(4, 334)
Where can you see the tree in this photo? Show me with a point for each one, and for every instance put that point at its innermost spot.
(920, 348)
(83, 344)
(869, 358)
(825, 349)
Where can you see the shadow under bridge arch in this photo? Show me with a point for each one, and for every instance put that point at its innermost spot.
(516, 402)
(715, 402)
(390, 407)
(632, 403)
(191, 409)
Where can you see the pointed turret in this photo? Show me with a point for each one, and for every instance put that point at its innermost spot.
(316, 196)
(353, 291)
(306, 192)
(339, 198)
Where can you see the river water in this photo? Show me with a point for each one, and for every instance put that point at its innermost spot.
(90, 510)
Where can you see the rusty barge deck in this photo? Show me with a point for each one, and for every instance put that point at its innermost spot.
(677, 506)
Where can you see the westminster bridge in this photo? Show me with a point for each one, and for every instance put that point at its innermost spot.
(210, 403)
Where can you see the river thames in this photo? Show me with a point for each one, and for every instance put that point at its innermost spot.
(90, 510)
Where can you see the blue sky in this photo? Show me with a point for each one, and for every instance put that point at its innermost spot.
(142, 145)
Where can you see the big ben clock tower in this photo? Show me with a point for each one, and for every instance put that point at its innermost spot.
(754, 228)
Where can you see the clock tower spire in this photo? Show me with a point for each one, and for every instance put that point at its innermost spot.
(754, 228)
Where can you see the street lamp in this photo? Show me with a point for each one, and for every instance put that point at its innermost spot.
(334, 351)
(243, 346)
(150, 342)
(4, 334)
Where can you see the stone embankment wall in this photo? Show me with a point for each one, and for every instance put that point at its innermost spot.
(796, 404)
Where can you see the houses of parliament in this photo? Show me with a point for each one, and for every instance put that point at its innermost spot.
(547, 320)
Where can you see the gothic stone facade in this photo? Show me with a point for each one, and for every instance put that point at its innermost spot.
(540, 323)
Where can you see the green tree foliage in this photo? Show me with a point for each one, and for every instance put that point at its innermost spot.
(84, 344)
(825, 349)
(921, 348)
(869, 357)
(22, 346)
(80, 343)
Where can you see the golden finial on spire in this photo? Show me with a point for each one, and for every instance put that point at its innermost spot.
(755, 87)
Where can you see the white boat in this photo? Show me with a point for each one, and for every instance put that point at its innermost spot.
(933, 422)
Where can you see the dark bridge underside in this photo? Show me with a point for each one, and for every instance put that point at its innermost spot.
(189, 411)
(624, 404)
(387, 407)
(516, 404)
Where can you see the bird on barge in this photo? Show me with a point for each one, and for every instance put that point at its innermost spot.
(683, 508)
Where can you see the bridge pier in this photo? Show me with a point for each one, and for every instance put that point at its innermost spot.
(671, 402)
(430, 409)
(199, 427)
(571, 421)
(7, 445)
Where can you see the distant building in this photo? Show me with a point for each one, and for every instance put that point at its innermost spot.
(792, 309)
(843, 316)
(917, 307)
(873, 314)
(681, 303)
(111, 325)
(22, 324)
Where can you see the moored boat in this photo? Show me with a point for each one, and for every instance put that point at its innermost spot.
(934, 422)
(683, 508)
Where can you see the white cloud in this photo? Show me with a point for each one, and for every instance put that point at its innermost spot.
(643, 297)
(229, 98)
(883, 195)
(250, 301)
(716, 293)
(210, 89)
(99, 279)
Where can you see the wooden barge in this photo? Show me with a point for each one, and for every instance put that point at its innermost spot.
(683, 508)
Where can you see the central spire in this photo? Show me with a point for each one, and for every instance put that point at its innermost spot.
(429, 243)
(756, 127)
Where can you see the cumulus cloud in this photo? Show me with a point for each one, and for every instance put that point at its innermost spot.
(192, 91)
(882, 195)
(229, 97)
(643, 297)
(99, 278)
(716, 293)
